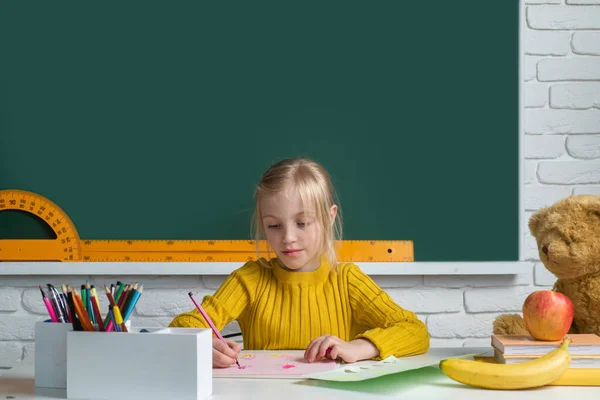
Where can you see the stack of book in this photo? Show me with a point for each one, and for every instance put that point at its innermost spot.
(584, 350)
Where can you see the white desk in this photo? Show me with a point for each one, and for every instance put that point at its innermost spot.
(426, 383)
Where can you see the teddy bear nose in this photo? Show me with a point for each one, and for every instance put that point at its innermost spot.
(545, 249)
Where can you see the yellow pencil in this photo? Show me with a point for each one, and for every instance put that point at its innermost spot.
(119, 319)
(96, 296)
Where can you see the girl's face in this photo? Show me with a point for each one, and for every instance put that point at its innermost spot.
(292, 231)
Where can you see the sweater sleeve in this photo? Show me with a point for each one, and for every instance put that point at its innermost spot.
(229, 301)
(392, 329)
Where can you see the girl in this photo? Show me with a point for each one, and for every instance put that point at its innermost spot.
(303, 298)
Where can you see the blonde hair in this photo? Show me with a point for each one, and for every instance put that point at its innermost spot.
(314, 187)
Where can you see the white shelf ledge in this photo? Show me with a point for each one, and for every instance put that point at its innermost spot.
(225, 268)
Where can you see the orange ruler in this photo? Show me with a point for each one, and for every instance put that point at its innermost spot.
(69, 247)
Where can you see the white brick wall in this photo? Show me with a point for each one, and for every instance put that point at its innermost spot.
(561, 150)
(586, 43)
(562, 132)
(576, 96)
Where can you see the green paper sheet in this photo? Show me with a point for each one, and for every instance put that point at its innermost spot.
(369, 369)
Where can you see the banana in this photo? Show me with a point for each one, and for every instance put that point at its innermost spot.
(538, 372)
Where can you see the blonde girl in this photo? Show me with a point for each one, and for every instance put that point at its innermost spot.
(298, 296)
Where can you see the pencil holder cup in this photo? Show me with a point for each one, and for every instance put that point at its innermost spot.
(144, 363)
(51, 354)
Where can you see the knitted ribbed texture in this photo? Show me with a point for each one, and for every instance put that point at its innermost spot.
(279, 309)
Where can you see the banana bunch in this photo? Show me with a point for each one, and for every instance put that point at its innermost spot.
(537, 372)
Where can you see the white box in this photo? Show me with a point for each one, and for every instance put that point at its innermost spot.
(51, 354)
(50, 365)
(167, 363)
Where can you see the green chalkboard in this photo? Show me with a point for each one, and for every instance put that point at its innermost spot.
(155, 119)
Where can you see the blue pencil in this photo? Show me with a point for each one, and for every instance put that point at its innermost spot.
(136, 295)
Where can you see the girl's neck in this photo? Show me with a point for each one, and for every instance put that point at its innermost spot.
(310, 266)
(318, 275)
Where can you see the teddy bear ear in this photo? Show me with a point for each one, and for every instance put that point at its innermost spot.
(589, 203)
(536, 219)
(594, 205)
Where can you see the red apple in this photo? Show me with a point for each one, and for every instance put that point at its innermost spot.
(548, 314)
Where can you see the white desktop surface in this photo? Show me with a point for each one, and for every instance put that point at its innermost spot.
(426, 383)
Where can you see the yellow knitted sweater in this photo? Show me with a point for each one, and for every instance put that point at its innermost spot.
(280, 309)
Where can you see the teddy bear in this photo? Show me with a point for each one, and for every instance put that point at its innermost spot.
(567, 234)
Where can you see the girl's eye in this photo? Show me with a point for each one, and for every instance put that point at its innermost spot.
(301, 224)
(273, 226)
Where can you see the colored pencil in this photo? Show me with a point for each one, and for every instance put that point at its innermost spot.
(49, 306)
(83, 294)
(109, 321)
(123, 297)
(88, 303)
(66, 296)
(209, 321)
(119, 319)
(84, 318)
(131, 306)
(81, 307)
(119, 291)
(96, 308)
(115, 309)
(95, 295)
(56, 300)
(75, 320)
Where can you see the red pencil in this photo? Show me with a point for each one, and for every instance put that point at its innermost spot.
(97, 314)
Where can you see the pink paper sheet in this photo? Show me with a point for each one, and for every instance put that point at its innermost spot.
(272, 364)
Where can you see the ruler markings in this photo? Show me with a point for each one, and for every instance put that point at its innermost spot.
(77, 249)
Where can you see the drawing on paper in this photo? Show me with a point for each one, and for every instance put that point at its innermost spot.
(277, 355)
(269, 364)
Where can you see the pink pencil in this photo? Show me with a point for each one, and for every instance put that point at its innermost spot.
(49, 307)
(208, 320)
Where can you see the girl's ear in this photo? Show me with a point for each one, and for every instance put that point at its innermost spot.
(333, 212)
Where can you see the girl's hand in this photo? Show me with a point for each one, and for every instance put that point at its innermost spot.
(224, 355)
(356, 350)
